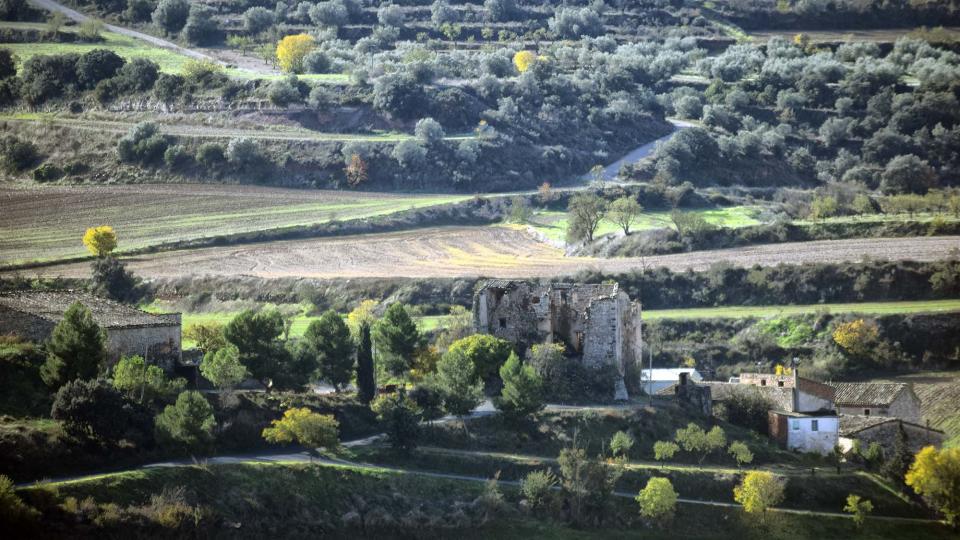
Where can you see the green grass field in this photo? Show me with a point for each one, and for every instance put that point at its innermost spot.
(51, 220)
(553, 224)
(866, 308)
(169, 61)
(127, 47)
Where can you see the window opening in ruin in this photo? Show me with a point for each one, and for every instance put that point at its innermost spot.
(780, 384)
(814, 425)
(503, 323)
(535, 300)
(763, 382)
(866, 412)
(579, 341)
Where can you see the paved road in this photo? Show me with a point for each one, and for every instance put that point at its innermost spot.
(75, 15)
(611, 171)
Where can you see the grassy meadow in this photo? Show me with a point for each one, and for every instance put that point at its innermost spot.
(553, 224)
(866, 308)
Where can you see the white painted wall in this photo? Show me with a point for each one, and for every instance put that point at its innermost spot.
(802, 436)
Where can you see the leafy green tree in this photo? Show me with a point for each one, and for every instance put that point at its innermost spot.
(584, 212)
(171, 15)
(462, 389)
(301, 425)
(758, 491)
(143, 382)
(690, 224)
(658, 500)
(401, 420)
(366, 382)
(486, 353)
(256, 335)
(397, 340)
(109, 277)
(860, 508)
(96, 411)
(587, 483)
(522, 394)
(620, 444)
(207, 336)
(77, 348)
(624, 212)
(694, 440)
(223, 367)
(187, 423)
(330, 340)
(740, 452)
(664, 450)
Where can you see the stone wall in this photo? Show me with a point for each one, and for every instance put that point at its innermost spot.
(886, 435)
(159, 345)
(905, 407)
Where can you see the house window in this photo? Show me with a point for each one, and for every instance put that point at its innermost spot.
(780, 384)
(795, 425)
(866, 412)
(503, 323)
(763, 382)
(814, 425)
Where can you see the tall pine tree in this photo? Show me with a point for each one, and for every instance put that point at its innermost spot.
(329, 339)
(366, 384)
(397, 339)
(77, 348)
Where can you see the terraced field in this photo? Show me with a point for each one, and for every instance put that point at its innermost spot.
(48, 223)
(274, 133)
(553, 225)
(866, 308)
(480, 251)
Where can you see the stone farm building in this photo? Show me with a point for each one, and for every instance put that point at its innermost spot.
(884, 431)
(33, 314)
(597, 322)
(879, 399)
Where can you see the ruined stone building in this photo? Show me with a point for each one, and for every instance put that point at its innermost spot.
(32, 315)
(597, 322)
(879, 399)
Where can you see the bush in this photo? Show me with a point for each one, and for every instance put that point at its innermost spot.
(244, 154)
(257, 19)
(399, 95)
(143, 144)
(283, 92)
(17, 155)
(48, 76)
(391, 15)
(171, 15)
(316, 62)
(97, 65)
(537, 486)
(201, 28)
(333, 13)
(169, 87)
(95, 410)
(210, 154)
(13, 512)
(500, 10)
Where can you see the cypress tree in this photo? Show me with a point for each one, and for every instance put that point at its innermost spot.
(77, 348)
(366, 385)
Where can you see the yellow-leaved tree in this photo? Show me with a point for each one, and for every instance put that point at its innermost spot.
(100, 241)
(856, 337)
(291, 51)
(363, 313)
(301, 425)
(758, 491)
(935, 476)
(523, 60)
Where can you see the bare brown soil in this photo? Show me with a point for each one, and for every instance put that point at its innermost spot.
(480, 251)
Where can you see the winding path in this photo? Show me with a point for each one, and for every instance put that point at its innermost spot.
(611, 171)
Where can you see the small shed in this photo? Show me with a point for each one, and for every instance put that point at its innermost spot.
(886, 399)
(816, 432)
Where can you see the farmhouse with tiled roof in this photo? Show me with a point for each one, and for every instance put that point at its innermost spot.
(878, 399)
(32, 315)
(884, 431)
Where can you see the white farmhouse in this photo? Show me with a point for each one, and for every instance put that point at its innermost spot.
(805, 432)
(655, 380)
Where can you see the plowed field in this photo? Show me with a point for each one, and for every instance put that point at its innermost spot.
(480, 251)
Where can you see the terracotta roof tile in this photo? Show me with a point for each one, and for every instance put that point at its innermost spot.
(868, 394)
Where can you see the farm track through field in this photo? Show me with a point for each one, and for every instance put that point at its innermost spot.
(482, 251)
(213, 132)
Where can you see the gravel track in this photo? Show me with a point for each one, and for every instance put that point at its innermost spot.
(482, 251)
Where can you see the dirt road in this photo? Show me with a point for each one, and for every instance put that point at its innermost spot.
(75, 15)
(481, 251)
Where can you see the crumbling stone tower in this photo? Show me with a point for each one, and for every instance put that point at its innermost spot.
(597, 322)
